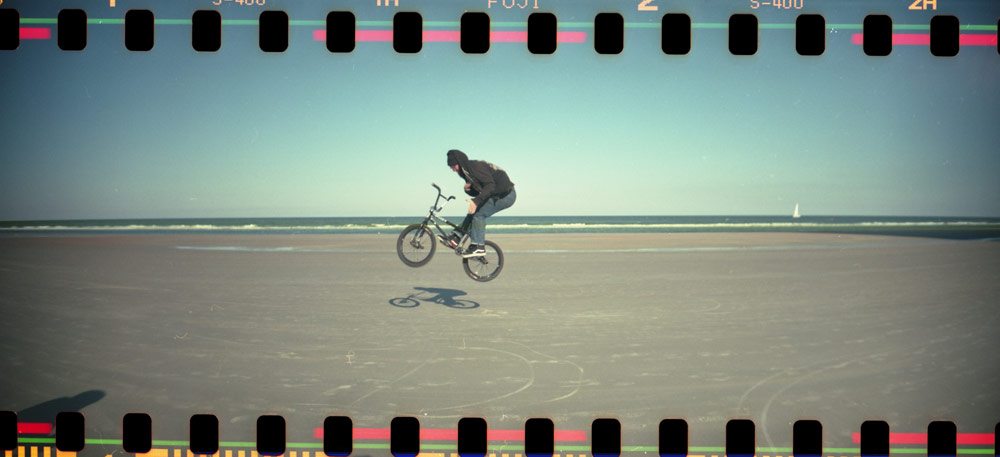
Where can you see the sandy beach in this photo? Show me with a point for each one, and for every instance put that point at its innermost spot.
(773, 327)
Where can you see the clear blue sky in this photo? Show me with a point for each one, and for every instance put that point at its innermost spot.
(172, 133)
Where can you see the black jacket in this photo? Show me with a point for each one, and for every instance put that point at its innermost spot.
(487, 180)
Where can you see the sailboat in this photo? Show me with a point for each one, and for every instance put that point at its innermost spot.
(795, 213)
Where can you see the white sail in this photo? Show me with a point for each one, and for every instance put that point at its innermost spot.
(795, 214)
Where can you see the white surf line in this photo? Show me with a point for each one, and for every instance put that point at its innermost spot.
(523, 251)
(790, 247)
(781, 247)
(273, 249)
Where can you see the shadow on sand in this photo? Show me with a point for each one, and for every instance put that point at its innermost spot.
(434, 295)
(989, 233)
(46, 412)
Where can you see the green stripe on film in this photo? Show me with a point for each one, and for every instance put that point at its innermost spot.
(512, 448)
(845, 26)
(239, 22)
(640, 449)
(38, 20)
(706, 449)
(504, 25)
(642, 25)
(984, 28)
(172, 21)
(103, 442)
(170, 443)
(710, 25)
(24, 440)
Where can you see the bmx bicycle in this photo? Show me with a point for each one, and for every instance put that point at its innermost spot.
(417, 243)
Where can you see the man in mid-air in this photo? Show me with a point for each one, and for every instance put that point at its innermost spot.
(491, 190)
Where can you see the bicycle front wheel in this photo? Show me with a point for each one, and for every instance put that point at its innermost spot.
(485, 268)
(416, 245)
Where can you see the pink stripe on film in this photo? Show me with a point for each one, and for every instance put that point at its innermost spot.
(431, 36)
(359, 35)
(522, 37)
(977, 439)
(924, 39)
(911, 39)
(386, 35)
(441, 434)
(34, 428)
(35, 33)
(373, 35)
(508, 37)
(442, 35)
(571, 37)
(977, 39)
(898, 39)
(961, 439)
(570, 435)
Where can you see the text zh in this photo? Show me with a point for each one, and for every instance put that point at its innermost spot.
(920, 5)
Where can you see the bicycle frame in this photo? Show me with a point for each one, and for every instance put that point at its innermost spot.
(433, 218)
(414, 237)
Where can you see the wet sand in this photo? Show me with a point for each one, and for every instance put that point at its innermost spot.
(773, 327)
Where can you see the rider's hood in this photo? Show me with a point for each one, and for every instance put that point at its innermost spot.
(461, 158)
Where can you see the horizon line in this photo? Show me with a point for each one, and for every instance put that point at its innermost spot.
(498, 215)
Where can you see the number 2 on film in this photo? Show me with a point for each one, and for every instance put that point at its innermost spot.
(647, 5)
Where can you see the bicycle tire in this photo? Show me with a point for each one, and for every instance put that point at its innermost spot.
(421, 241)
(479, 269)
(404, 302)
(464, 304)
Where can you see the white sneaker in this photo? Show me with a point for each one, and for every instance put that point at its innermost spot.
(474, 250)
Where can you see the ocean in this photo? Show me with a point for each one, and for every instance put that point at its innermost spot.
(943, 227)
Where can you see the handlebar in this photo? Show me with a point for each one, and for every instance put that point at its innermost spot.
(440, 194)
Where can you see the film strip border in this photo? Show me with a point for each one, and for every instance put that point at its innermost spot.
(475, 33)
(473, 438)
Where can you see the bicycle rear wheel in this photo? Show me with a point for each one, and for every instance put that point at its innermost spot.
(485, 268)
(415, 245)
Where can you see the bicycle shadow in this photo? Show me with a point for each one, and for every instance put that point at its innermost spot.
(46, 412)
(434, 295)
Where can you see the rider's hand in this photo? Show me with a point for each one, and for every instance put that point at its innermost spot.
(468, 185)
(472, 207)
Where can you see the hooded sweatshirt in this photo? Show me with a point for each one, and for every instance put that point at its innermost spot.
(487, 180)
